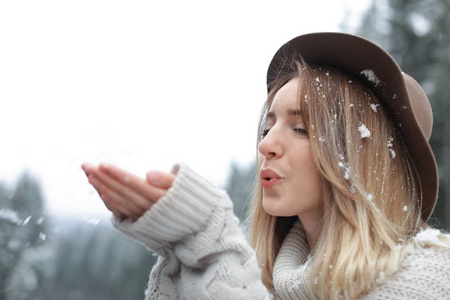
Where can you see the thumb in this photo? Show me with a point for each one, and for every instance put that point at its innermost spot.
(160, 179)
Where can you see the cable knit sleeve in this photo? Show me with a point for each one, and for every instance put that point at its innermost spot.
(203, 252)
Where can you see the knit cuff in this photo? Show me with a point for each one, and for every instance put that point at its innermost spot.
(183, 211)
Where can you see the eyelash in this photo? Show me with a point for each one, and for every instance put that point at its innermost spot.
(297, 130)
(301, 131)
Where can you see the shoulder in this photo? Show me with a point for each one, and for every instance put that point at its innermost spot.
(429, 249)
(423, 273)
(426, 261)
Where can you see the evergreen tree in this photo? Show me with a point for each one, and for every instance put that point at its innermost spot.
(27, 201)
(21, 230)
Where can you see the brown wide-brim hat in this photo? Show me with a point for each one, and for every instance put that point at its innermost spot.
(401, 94)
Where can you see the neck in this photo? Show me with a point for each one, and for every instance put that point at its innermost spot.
(312, 231)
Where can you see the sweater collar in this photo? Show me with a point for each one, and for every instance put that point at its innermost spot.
(291, 269)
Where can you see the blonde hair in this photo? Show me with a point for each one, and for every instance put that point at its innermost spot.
(370, 195)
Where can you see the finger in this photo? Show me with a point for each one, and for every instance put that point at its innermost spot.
(111, 206)
(120, 211)
(127, 192)
(121, 193)
(134, 182)
(115, 202)
(88, 169)
(117, 207)
(128, 208)
(160, 179)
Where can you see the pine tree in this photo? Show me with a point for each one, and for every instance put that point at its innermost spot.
(22, 227)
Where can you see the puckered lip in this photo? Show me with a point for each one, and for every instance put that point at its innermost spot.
(269, 178)
(267, 174)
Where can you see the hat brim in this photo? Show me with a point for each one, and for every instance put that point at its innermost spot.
(355, 55)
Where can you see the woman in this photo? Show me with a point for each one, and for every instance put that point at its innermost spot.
(346, 183)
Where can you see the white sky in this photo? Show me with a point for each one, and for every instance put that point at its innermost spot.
(141, 84)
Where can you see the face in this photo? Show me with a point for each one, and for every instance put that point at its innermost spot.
(289, 177)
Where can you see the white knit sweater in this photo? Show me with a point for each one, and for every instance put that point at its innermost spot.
(203, 253)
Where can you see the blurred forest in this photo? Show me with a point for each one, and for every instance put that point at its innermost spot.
(45, 257)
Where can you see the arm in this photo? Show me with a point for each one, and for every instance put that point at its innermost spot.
(205, 254)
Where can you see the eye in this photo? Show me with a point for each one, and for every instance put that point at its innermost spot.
(301, 131)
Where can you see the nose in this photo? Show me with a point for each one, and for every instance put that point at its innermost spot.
(270, 146)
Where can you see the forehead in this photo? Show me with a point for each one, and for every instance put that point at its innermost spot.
(286, 98)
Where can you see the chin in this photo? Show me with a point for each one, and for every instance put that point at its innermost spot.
(273, 208)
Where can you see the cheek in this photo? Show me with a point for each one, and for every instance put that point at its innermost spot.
(314, 188)
(308, 177)
(307, 194)
(313, 177)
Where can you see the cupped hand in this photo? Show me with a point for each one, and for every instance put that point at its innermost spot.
(124, 194)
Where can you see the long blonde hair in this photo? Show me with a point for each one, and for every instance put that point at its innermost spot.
(370, 195)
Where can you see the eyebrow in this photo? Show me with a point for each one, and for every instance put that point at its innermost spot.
(291, 112)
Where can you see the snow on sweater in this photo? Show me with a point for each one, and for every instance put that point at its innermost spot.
(203, 253)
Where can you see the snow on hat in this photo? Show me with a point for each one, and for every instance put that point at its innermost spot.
(401, 94)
